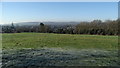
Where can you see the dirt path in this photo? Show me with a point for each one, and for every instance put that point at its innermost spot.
(58, 57)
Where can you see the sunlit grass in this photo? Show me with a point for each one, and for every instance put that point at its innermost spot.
(39, 40)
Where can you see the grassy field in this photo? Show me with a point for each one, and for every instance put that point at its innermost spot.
(39, 40)
(45, 49)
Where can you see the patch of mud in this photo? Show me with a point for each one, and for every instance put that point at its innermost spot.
(58, 57)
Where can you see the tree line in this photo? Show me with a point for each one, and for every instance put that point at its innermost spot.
(95, 27)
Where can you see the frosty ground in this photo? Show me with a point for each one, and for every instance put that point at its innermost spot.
(59, 57)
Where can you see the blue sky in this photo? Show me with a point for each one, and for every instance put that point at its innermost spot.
(58, 11)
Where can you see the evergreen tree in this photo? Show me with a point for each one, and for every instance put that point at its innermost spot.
(12, 28)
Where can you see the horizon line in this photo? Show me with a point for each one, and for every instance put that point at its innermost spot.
(58, 21)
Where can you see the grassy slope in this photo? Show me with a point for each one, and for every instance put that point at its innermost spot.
(38, 40)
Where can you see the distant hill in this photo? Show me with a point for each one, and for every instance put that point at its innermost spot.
(46, 23)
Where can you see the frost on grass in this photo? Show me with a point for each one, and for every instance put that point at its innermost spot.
(58, 57)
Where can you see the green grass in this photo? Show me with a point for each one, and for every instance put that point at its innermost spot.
(39, 40)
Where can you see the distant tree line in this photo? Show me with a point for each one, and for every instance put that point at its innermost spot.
(95, 27)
